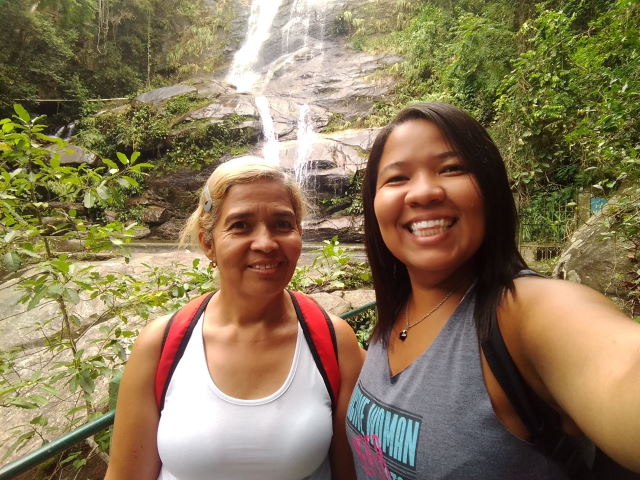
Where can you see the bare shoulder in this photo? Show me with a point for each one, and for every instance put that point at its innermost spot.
(535, 297)
(346, 339)
(152, 334)
(544, 311)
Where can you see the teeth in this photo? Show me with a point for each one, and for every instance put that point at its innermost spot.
(264, 267)
(430, 227)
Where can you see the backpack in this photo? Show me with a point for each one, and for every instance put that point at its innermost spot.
(316, 326)
(578, 456)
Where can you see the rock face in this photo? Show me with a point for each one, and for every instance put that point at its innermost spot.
(596, 258)
(165, 93)
(348, 229)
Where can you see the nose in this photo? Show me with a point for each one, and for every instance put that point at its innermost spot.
(424, 189)
(264, 240)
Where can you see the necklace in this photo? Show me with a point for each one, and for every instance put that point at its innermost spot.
(405, 332)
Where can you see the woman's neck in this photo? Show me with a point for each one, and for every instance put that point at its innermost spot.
(267, 311)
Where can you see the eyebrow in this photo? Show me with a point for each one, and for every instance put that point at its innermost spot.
(440, 156)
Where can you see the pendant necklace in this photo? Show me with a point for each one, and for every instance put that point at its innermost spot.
(405, 332)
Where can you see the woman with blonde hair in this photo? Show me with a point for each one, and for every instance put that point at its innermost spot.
(246, 399)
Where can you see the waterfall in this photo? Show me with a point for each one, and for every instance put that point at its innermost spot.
(271, 147)
(251, 70)
(306, 135)
(244, 72)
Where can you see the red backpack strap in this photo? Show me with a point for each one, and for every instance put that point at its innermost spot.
(175, 339)
(321, 338)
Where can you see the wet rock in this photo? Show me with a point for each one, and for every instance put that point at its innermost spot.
(161, 94)
(169, 230)
(74, 155)
(336, 77)
(155, 215)
(358, 298)
(141, 232)
(332, 303)
(349, 229)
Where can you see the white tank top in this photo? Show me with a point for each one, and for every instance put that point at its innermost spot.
(205, 434)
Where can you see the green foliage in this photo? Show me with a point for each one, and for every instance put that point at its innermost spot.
(548, 217)
(136, 127)
(155, 131)
(571, 99)
(458, 55)
(331, 269)
(203, 36)
(35, 186)
(85, 49)
(183, 104)
(336, 122)
(363, 324)
(204, 143)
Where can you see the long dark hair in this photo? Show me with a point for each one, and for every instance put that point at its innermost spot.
(497, 260)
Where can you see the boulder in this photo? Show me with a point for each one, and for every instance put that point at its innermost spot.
(348, 229)
(161, 94)
(155, 215)
(358, 298)
(332, 303)
(141, 232)
(169, 230)
(598, 258)
(111, 216)
(74, 155)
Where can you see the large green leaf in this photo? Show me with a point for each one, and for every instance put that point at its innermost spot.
(11, 261)
(22, 113)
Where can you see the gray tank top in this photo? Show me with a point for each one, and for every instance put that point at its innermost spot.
(434, 420)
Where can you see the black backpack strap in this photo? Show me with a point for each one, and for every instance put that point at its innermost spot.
(541, 420)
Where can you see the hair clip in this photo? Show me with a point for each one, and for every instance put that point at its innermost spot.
(208, 201)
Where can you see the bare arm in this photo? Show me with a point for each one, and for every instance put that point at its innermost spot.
(351, 357)
(134, 452)
(586, 354)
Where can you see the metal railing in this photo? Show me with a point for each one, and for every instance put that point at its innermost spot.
(51, 449)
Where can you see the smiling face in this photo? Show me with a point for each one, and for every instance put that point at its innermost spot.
(256, 240)
(428, 206)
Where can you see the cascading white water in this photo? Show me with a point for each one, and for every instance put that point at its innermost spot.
(249, 73)
(244, 73)
(306, 135)
(271, 147)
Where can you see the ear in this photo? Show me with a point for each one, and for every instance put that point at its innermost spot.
(207, 247)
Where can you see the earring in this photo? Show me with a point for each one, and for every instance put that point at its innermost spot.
(213, 264)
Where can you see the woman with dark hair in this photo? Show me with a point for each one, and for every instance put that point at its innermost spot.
(441, 226)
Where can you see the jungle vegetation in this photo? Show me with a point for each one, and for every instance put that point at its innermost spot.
(85, 49)
(557, 83)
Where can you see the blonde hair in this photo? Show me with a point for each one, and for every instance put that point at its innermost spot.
(238, 171)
